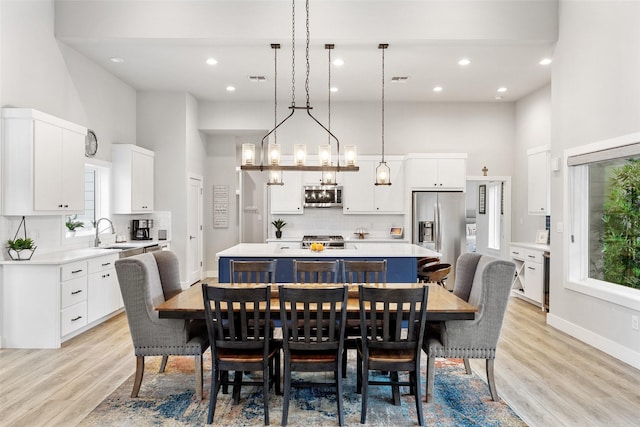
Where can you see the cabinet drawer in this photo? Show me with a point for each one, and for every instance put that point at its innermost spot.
(73, 318)
(73, 270)
(534, 256)
(73, 292)
(518, 253)
(97, 265)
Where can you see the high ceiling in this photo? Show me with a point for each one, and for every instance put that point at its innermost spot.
(164, 45)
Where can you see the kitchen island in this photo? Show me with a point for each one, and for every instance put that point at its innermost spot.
(401, 258)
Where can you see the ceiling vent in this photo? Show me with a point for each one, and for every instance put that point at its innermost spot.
(399, 79)
(259, 79)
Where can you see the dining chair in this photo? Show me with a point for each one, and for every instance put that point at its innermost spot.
(248, 272)
(313, 321)
(484, 282)
(316, 271)
(140, 283)
(253, 271)
(359, 272)
(392, 321)
(239, 326)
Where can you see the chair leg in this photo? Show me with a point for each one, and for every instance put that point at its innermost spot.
(277, 379)
(415, 384)
(163, 364)
(339, 394)
(364, 391)
(395, 389)
(265, 391)
(359, 373)
(431, 368)
(198, 369)
(237, 385)
(491, 380)
(139, 374)
(216, 378)
(467, 366)
(344, 363)
(287, 389)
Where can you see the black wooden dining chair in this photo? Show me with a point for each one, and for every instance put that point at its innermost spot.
(239, 325)
(392, 321)
(316, 271)
(259, 271)
(313, 321)
(359, 272)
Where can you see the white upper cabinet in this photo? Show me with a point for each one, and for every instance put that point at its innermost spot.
(132, 179)
(362, 196)
(43, 164)
(539, 176)
(436, 171)
(287, 198)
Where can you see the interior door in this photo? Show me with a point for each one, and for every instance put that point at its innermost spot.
(194, 228)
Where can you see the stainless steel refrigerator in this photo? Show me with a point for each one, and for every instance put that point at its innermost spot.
(438, 220)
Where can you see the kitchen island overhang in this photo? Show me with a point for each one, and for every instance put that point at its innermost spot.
(401, 258)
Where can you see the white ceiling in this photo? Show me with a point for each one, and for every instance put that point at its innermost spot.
(164, 45)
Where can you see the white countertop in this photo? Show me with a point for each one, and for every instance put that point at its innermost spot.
(62, 257)
(398, 250)
(537, 246)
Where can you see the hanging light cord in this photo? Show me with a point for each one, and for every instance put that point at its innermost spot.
(275, 89)
(383, 49)
(306, 83)
(293, 53)
(329, 101)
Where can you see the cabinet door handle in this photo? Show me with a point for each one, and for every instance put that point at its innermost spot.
(531, 268)
(76, 318)
(106, 263)
(76, 271)
(515, 253)
(105, 276)
(59, 206)
(76, 292)
(531, 256)
(66, 206)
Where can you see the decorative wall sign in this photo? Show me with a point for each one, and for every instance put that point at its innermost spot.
(220, 206)
(482, 199)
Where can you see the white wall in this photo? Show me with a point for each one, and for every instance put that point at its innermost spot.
(595, 96)
(533, 129)
(38, 72)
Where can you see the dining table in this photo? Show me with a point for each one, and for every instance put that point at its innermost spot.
(441, 304)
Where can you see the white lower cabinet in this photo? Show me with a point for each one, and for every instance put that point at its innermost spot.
(43, 305)
(528, 281)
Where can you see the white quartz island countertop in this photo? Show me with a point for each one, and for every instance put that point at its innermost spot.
(395, 250)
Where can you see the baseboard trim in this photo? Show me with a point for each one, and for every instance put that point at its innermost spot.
(612, 348)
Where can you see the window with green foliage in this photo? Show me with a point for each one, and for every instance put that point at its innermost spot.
(604, 219)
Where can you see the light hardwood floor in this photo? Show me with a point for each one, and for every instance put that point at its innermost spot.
(547, 377)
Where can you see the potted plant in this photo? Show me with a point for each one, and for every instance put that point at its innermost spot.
(21, 248)
(72, 224)
(278, 224)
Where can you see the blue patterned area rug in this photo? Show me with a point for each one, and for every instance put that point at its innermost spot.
(168, 400)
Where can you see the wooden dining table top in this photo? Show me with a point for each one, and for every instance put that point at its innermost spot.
(441, 305)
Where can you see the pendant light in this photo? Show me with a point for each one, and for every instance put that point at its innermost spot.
(328, 176)
(275, 175)
(383, 174)
(300, 150)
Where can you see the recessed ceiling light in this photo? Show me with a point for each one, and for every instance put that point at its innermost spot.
(545, 61)
(502, 89)
(211, 61)
(334, 89)
(437, 89)
(338, 62)
(230, 88)
(116, 60)
(464, 62)
(497, 97)
(399, 79)
(258, 79)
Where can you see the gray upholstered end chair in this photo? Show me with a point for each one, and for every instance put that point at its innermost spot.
(141, 278)
(484, 282)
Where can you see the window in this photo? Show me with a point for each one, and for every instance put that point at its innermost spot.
(495, 215)
(96, 197)
(603, 198)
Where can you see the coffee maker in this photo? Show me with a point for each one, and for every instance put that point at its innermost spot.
(141, 229)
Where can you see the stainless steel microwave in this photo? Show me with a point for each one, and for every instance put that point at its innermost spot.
(323, 196)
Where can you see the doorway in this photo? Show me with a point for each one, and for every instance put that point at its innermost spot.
(195, 230)
(488, 215)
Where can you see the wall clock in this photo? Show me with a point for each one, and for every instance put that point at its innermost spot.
(90, 144)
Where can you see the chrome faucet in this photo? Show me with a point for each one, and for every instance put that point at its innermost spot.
(96, 243)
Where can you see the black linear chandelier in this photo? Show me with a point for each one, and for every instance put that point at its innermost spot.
(325, 165)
